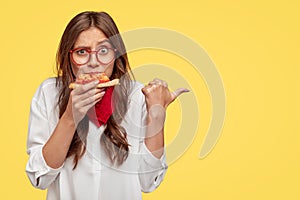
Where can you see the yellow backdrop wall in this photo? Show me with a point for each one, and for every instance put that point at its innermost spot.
(255, 46)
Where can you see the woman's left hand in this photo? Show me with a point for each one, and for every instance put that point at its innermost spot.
(158, 93)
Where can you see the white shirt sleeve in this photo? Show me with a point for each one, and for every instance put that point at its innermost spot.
(152, 169)
(39, 173)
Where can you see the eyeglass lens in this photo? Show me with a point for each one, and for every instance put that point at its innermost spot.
(104, 55)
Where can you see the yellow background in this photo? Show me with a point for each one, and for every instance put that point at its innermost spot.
(254, 44)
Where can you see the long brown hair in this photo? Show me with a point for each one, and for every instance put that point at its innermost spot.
(114, 139)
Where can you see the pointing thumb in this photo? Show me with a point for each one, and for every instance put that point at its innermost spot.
(178, 92)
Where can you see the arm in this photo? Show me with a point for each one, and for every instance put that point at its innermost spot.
(154, 139)
(158, 97)
(47, 149)
(81, 100)
(56, 148)
(153, 162)
(38, 172)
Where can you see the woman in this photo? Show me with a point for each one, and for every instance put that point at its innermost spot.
(78, 157)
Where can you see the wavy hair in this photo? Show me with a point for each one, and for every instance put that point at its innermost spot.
(114, 139)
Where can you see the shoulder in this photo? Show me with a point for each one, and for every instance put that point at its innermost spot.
(48, 83)
(46, 89)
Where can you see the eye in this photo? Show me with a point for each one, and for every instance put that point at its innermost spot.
(103, 50)
(81, 52)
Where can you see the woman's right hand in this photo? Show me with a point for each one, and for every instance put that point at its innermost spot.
(81, 99)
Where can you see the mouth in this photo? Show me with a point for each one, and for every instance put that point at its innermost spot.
(87, 70)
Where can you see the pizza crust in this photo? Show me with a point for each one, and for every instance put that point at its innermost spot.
(100, 85)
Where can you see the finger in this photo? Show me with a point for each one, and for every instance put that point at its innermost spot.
(91, 99)
(147, 89)
(152, 83)
(82, 88)
(82, 111)
(144, 89)
(160, 82)
(87, 94)
(178, 92)
(98, 90)
(98, 98)
(89, 106)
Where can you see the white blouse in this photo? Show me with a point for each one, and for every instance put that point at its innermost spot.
(93, 178)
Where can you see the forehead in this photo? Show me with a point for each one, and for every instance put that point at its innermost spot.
(90, 37)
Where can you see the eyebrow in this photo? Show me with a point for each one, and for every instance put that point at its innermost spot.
(103, 41)
(98, 44)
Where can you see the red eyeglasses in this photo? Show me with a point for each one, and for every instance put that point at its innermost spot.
(104, 55)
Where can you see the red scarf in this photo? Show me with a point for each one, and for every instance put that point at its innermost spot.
(100, 113)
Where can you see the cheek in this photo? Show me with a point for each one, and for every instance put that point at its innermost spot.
(109, 70)
(75, 70)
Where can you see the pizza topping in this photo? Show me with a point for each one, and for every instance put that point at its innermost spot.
(89, 77)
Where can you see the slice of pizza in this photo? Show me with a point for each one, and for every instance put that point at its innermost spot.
(89, 77)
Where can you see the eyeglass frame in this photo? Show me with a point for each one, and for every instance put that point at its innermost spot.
(90, 53)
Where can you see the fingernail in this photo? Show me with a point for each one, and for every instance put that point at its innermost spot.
(96, 82)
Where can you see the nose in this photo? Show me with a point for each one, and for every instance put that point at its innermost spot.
(93, 60)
